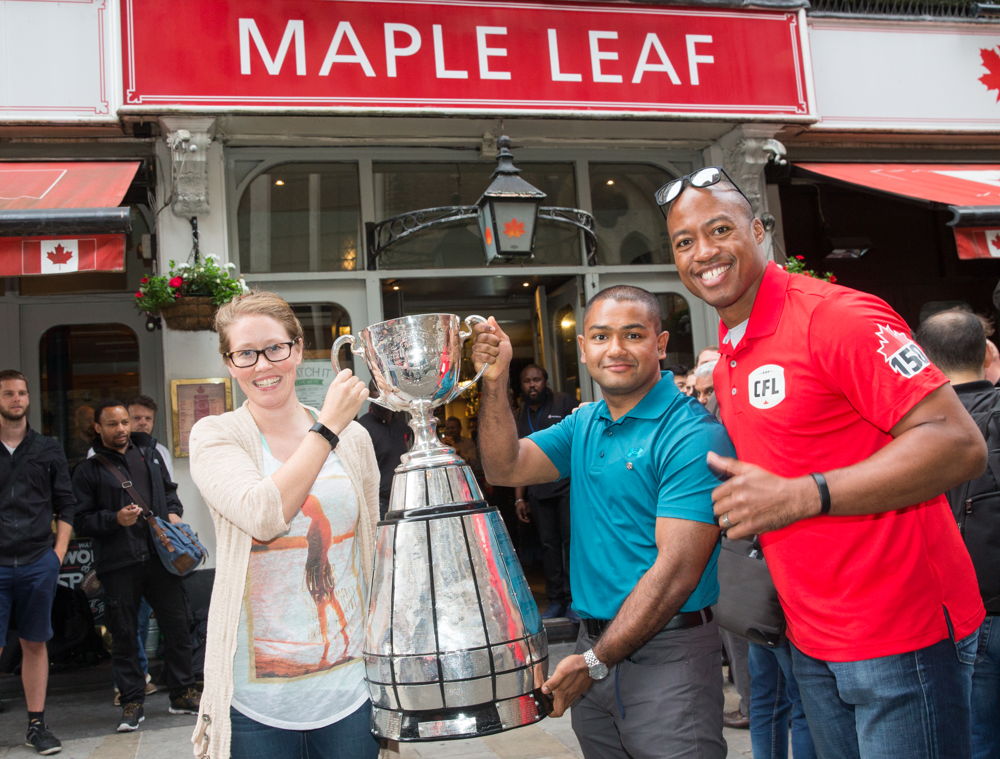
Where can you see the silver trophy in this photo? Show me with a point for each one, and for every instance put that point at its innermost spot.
(454, 645)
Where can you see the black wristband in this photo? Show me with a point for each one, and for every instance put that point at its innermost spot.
(824, 492)
(327, 433)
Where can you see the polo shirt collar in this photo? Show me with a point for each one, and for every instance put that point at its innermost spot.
(767, 307)
(652, 404)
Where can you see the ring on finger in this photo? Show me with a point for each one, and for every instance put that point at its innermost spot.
(726, 524)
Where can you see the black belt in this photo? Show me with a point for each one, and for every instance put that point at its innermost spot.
(596, 627)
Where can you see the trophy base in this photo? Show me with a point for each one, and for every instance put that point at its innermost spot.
(462, 721)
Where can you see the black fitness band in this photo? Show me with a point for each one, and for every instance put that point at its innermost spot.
(332, 438)
(824, 492)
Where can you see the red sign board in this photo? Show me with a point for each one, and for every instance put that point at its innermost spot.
(465, 56)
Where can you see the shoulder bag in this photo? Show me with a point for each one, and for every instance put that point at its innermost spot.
(748, 603)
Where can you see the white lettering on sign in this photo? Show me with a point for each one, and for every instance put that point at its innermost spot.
(294, 32)
(597, 55)
(346, 32)
(392, 51)
(652, 43)
(766, 386)
(694, 59)
(402, 41)
(554, 68)
(485, 53)
(439, 66)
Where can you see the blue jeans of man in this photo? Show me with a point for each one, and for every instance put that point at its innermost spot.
(775, 706)
(986, 692)
(915, 705)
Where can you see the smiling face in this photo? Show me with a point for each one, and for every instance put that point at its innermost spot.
(622, 350)
(265, 384)
(718, 249)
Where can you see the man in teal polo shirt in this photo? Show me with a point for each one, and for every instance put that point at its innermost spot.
(645, 679)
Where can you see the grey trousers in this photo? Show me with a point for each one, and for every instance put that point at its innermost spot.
(663, 701)
(738, 651)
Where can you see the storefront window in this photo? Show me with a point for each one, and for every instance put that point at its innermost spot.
(567, 363)
(402, 187)
(301, 217)
(630, 228)
(322, 323)
(677, 321)
(81, 365)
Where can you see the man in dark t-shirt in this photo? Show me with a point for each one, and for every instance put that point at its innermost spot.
(391, 438)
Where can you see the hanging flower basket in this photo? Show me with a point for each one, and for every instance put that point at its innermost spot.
(194, 312)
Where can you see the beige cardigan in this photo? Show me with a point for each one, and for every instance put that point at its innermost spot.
(226, 465)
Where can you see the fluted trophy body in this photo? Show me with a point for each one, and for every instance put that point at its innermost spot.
(454, 644)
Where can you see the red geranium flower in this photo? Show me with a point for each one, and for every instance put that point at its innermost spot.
(176, 282)
(144, 280)
(801, 258)
(833, 278)
(139, 294)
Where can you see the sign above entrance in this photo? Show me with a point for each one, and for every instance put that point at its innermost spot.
(465, 56)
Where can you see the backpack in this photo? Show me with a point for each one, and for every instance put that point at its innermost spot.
(976, 506)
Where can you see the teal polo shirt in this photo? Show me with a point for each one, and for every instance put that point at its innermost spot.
(624, 474)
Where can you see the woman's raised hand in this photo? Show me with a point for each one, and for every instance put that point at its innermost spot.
(343, 400)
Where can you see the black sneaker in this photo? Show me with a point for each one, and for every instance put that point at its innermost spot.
(186, 703)
(131, 717)
(42, 740)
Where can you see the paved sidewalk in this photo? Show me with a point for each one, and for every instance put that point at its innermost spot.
(80, 712)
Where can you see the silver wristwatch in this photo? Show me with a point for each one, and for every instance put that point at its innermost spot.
(598, 670)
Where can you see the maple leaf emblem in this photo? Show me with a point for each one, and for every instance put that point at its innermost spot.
(513, 228)
(59, 255)
(991, 62)
(890, 341)
(488, 236)
(995, 241)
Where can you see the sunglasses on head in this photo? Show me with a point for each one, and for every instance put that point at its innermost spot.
(701, 178)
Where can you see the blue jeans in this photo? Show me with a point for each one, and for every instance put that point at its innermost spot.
(914, 705)
(775, 707)
(142, 627)
(986, 692)
(349, 738)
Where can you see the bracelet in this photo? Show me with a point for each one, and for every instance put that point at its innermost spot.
(328, 434)
(824, 492)
(520, 500)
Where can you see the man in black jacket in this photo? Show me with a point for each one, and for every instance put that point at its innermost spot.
(34, 488)
(956, 342)
(126, 561)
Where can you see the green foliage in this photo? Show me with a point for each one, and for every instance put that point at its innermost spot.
(797, 265)
(204, 277)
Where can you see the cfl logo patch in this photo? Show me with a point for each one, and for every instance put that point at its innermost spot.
(766, 386)
(900, 352)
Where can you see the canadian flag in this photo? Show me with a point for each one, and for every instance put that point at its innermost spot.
(977, 242)
(23, 256)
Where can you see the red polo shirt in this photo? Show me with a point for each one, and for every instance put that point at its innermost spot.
(818, 380)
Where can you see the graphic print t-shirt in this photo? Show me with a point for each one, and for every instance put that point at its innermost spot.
(298, 659)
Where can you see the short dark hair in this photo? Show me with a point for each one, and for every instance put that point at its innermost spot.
(629, 293)
(526, 367)
(143, 400)
(12, 374)
(107, 403)
(954, 340)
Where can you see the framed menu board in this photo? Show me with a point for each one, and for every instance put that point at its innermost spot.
(192, 399)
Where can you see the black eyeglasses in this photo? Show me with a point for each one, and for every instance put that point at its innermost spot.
(701, 178)
(244, 359)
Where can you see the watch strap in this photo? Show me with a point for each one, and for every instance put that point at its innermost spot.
(328, 434)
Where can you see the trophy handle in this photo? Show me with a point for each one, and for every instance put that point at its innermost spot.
(464, 334)
(335, 351)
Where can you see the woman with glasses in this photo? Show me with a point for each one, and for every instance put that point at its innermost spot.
(293, 493)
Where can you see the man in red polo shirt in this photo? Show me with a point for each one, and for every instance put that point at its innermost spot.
(847, 436)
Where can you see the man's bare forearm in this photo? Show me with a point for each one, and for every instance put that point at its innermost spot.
(498, 443)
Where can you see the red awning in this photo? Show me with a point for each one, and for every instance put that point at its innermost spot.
(43, 186)
(55, 217)
(970, 190)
